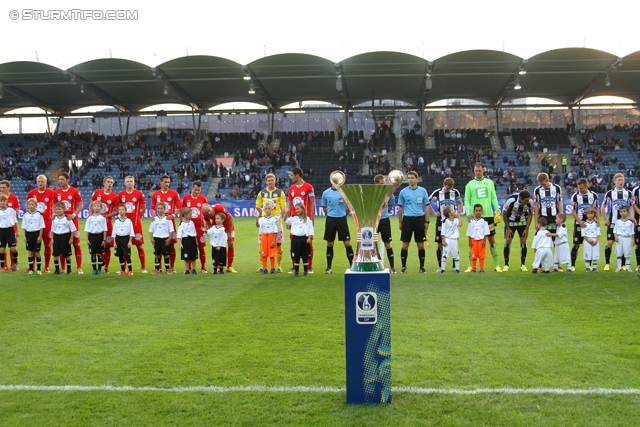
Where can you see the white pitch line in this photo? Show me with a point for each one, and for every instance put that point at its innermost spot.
(304, 389)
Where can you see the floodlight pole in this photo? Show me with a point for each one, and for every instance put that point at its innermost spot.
(120, 123)
(345, 131)
(270, 117)
(193, 119)
(199, 123)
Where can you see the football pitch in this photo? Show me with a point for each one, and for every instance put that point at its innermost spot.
(512, 348)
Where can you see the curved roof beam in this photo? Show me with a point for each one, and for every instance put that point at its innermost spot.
(98, 92)
(584, 93)
(258, 87)
(29, 98)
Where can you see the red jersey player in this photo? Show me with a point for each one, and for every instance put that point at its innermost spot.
(109, 209)
(301, 191)
(72, 206)
(46, 199)
(13, 203)
(171, 200)
(195, 201)
(136, 205)
(209, 213)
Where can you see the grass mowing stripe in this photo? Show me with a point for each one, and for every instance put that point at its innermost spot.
(305, 389)
(603, 391)
(207, 389)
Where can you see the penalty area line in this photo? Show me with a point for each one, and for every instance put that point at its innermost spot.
(305, 389)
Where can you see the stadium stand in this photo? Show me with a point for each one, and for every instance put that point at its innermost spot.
(90, 157)
(539, 139)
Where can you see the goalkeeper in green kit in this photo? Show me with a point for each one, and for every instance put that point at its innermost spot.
(482, 191)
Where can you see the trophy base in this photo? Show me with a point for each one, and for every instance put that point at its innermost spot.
(366, 267)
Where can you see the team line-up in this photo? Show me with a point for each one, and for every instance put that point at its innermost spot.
(116, 222)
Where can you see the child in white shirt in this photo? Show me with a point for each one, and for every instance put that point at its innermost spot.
(8, 235)
(33, 225)
(160, 234)
(477, 231)
(62, 231)
(302, 236)
(218, 239)
(187, 239)
(268, 225)
(123, 234)
(96, 228)
(591, 235)
(450, 234)
(623, 231)
(562, 253)
(542, 245)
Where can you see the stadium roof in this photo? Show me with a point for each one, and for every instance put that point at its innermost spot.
(563, 75)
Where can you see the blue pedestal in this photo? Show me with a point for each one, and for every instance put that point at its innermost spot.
(368, 336)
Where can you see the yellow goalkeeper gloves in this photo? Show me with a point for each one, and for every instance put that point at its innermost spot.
(497, 218)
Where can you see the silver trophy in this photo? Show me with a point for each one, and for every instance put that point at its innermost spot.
(366, 202)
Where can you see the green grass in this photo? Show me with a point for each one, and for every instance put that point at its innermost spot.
(509, 330)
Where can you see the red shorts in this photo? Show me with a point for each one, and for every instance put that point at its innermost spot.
(201, 238)
(109, 241)
(76, 234)
(138, 238)
(174, 235)
(231, 234)
(46, 237)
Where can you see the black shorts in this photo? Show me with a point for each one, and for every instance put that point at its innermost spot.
(439, 230)
(492, 226)
(95, 243)
(300, 249)
(122, 246)
(413, 226)
(384, 230)
(577, 234)
(551, 223)
(637, 237)
(32, 241)
(7, 237)
(219, 256)
(610, 235)
(338, 225)
(515, 228)
(61, 245)
(160, 246)
(189, 250)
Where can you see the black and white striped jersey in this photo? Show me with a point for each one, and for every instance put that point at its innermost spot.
(615, 198)
(581, 202)
(516, 210)
(547, 199)
(635, 195)
(444, 198)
